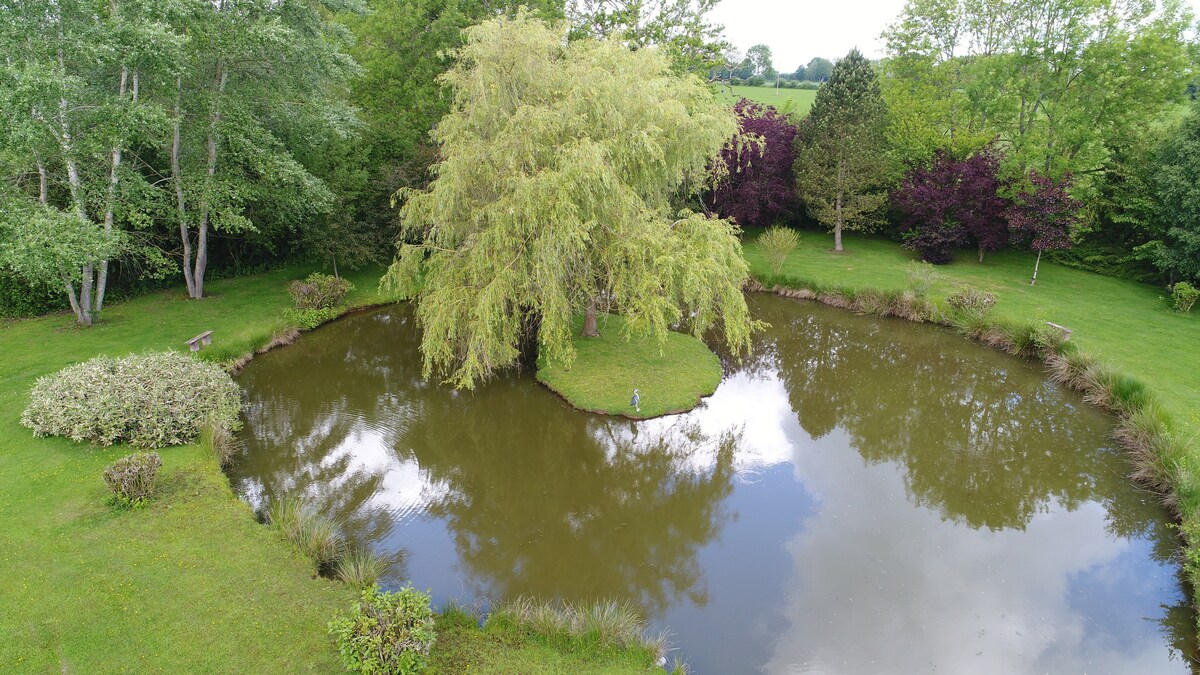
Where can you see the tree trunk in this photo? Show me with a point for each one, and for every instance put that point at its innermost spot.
(43, 195)
(1035, 269)
(589, 322)
(981, 253)
(83, 308)
(43, 181)
(185, 234)
(205, 208)
(113, 177)
(837, 217)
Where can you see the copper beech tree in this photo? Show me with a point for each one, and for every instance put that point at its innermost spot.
(564, 168)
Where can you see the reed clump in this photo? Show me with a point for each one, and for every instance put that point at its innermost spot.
(360, 567)
(599, 626)
(317, 536)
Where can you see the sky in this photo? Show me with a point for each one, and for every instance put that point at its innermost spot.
(798, 30)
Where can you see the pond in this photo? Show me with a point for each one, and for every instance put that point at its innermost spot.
(860, 496)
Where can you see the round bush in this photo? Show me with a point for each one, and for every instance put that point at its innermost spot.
(131, 478)
(149, 401)
(387, 632)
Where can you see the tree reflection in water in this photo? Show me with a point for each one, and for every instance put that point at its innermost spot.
(540, 500)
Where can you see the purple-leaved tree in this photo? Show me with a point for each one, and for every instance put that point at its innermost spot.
(952, 202)
(760, 186)
(1043, 215)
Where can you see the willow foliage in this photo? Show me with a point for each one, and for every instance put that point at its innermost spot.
(561, 165)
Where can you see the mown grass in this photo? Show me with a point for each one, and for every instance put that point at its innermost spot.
(1128, 326)
(792, 100)
(192, 582)
(671, 377)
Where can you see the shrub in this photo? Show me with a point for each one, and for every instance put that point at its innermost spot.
(308, 319)
(777, 243)
(1184, 296)
(131, 478)
(319, 291)
(20, 299)
(755, 81)
(360, 568)
(971, 301)
(148, 401)
(935, 243)
(386, 632)
(919, 278)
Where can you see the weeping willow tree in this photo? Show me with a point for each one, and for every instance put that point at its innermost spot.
(563, 167)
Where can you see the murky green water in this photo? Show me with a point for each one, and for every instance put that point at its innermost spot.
(863, 496)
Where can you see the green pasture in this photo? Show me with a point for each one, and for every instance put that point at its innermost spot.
(787, 100)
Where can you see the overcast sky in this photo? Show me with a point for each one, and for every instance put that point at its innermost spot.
(798, 30)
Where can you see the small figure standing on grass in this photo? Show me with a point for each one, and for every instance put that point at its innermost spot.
(635, 401)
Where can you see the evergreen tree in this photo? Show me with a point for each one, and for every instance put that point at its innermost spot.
(842, 160)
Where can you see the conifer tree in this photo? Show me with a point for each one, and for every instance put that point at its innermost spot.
(842, 160)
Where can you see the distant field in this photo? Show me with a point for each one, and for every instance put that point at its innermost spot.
(800, 99)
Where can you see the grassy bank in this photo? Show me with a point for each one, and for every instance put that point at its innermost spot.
(192, 583)
(1125, 325)
(671, 377)
(1124, 336)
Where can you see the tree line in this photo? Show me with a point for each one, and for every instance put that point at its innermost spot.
(757, 67)
(155, 142)
(147, 141)
(1065, 126)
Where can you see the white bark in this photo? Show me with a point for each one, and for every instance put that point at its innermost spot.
(180, 203)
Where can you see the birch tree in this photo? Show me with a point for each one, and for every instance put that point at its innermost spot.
(250, 68)
(71, 90)
(558, 195)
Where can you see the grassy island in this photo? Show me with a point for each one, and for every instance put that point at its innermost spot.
(671, 377)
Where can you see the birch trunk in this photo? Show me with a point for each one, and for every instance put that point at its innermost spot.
(113, 178)
(83, 308)
(43, 196)
(180, 203)
(202, 228)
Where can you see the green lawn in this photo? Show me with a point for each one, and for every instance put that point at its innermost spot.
(1126, 325)
(191, 583)
(670, 377)
(800, 100)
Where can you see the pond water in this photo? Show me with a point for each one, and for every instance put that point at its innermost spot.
(860, 496)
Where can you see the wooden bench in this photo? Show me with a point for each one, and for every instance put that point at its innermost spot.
(204, 338)
(1066, 332)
